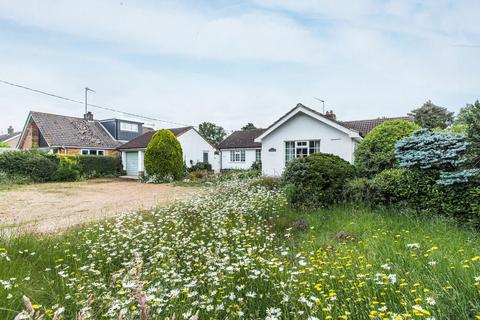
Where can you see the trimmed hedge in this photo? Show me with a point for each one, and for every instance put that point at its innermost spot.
(317, 180)
(42, 167)
(36, 165)
(97, 166)
(418, 190)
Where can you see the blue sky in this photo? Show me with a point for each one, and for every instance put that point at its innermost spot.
(233, 62)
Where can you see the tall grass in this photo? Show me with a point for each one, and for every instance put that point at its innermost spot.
(237, 252)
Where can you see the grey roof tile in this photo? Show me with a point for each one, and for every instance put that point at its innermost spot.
(68, 131)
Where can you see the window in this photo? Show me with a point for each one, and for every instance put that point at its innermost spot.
(205, 156)
(258, 155)
(301, 149)
(131, 127)
(93, 152)
(289, 150)
(314, 146)
(237, 156)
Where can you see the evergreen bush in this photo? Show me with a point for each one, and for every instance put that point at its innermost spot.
(317, 180)
(164, 157)
(376, 152)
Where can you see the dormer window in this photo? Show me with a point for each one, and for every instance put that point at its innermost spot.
(130, 127)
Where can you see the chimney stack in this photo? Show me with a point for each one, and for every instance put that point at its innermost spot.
(10, 130)
(330, 115)
(88, 116)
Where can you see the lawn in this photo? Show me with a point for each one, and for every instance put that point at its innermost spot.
(239, 252)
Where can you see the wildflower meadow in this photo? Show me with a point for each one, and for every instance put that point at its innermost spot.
(238, 252)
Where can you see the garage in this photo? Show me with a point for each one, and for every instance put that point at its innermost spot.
(131, 163)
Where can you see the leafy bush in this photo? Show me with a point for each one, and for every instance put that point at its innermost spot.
(359, 190)
(164, 157)
(419, 190)
(257, 165)
(94, 166)
(4, 145)
(200, 166)
(317, 180)
(67, 170)
(37, 165)
(376, 152)
(7, 179)
(461, 202)
(405, 187)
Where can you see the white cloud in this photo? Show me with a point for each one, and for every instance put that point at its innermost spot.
(171, 30)
(366, 59)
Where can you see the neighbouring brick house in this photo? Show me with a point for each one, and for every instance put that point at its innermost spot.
(71, 135)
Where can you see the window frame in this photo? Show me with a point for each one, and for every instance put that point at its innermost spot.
(92, 152)
(258, 155)
(301, 148)
(206, 153)
(128, 126)
(237, 156)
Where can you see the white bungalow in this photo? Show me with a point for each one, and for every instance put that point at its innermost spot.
(301, 132)
(194, 146)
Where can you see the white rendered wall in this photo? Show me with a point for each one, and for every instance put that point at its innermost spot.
(193, 146)
(303, 127)
(249, 159)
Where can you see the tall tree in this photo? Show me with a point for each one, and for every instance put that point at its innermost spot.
(212, 132)
(431, 116)
(470, 118)
(249, 126)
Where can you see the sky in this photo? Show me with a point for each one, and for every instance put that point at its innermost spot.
(233, 62)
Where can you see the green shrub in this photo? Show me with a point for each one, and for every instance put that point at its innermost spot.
(36, 165)
(419, 190)
(7, 179)
(405, 187)
(376, 152)
(164, 157)
(257, 165)
(4, 145)
(200, 166)
(317, 180)
(359, 190)
(97, 166)
(67, 170)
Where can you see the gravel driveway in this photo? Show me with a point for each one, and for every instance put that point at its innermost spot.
(53, 207)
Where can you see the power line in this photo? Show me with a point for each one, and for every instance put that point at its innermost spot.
(89, 104)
